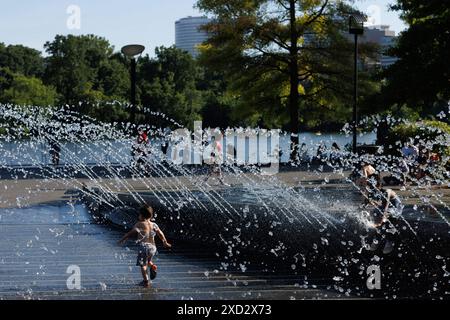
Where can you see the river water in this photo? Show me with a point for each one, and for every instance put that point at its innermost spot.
(29, 153)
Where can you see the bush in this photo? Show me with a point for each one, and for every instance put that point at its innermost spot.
(29, 91)
(435, 133)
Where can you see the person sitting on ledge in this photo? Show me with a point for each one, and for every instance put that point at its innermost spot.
(145, 230)
(368, 171)
(365, 179)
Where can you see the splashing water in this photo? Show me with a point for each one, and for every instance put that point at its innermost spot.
(306, 218)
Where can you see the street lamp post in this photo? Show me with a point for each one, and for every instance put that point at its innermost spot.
(132, 51)
(356, 27)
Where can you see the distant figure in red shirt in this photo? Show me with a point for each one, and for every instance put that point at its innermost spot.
(140, 150)
(216, 156)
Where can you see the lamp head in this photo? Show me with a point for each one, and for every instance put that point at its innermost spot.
(133, 50)
(356, 24)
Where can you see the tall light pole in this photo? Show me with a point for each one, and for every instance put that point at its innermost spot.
(356, 27)
(131, 51)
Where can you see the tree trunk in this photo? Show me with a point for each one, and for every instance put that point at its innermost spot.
(382, 133)
(294, 96)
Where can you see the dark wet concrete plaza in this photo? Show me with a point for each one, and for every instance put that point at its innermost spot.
(39, 243)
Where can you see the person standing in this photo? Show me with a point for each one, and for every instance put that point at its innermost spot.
(140, 150)
(336, 154)
(216, 159)
(55, 151)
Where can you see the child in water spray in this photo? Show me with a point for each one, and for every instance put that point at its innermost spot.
(145, 230)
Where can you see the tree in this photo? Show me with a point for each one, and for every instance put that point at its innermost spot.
(29, 91)
(423, 52)
(218, 105)
(23, 60)
(167, 84)
(6, 78)
(285, 53)
(84, 69)
(20, 70)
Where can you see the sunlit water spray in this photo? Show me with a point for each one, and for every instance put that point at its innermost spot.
(257, 212)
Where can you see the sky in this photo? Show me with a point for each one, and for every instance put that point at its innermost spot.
(146, 22)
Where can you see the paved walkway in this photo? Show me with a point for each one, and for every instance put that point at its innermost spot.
(30, 191)
(39, 241)
(37, 245)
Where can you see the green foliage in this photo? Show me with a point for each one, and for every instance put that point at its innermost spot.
(270, 60)
(80, 66)
(23, 60)
(168, 84)
(234, 85)
(423, 52)
(84, 72)
(29, 91)
(261, 67)
(436, 133)
(6, 78)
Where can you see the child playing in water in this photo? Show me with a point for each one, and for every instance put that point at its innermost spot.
(145, 230)
(387, 214)
(216, 154)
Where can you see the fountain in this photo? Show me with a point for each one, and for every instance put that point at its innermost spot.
(263, 220)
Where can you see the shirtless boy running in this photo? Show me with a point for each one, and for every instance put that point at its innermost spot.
(145, 230)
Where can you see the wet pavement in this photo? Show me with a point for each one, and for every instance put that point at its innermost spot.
(39, 243)
(20, 189)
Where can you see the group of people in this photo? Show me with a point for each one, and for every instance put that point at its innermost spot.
(418, 161)
(323, 154)
(140, 152)
(387, 211)
(145, 229)
(386, 205)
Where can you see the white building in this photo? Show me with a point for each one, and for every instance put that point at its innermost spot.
(385, 38)
(188, 34)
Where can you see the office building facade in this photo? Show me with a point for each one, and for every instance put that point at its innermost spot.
(188, 34)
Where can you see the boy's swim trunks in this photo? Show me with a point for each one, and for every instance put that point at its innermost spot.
(145, 254)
